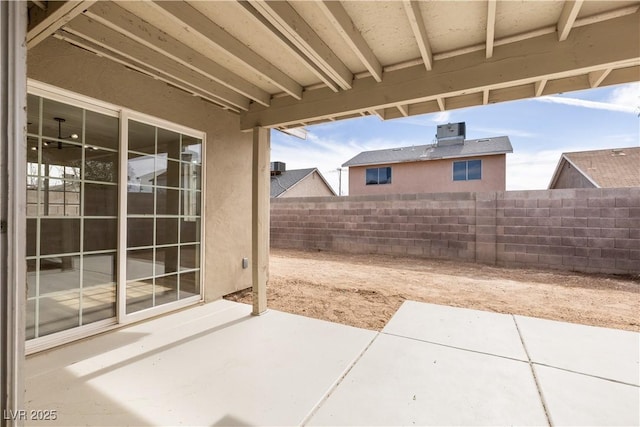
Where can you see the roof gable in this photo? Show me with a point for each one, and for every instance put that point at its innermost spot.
(611, 168)
(288, 179)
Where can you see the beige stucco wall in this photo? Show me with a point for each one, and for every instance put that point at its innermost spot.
(227, 213)
(311, 186)
(569, 177)
(432, 176)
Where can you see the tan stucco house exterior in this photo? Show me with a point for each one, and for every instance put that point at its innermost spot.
(451, 164)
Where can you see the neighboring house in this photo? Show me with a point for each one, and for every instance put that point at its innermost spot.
(451, 164)
(298, 182)
(612, 168)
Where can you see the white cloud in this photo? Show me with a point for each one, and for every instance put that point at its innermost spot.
(609, 106)
(503, 131)
(627, 96)
(441, 117)
(531, 170)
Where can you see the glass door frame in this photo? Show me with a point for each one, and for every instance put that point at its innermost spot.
(124, 317)
(124, 115)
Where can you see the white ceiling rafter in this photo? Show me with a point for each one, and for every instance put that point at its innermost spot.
(568, 17)
(539, 87)
(416, 21)
(113, 40)
(325, 79)
(597, 77)
(376, 113)
(516, 67)
(112, 16)
(485, 96)
(223, 53)
(491, 26)
(341, 21)
(588, 20)
(215, 35)
(45, 21)
(291, 25)
(196, 88)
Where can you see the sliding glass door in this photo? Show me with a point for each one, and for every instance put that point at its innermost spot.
(113, 215)
(163, 216)
(72, 189)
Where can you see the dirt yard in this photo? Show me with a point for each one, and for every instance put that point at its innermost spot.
(366, 290)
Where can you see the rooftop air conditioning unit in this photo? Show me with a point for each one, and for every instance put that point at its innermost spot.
(451, 133)
(278, 167)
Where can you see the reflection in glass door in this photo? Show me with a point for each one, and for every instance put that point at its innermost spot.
(113, 216)
(163, 216)
(72, 170)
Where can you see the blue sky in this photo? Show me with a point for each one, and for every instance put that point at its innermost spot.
(540, 130)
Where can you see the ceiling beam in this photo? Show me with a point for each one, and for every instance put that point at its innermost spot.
(442, 103)
(376, 113)
(521, 63)
(416, 21)
(184, 85)
(404, 110)
(293, 49)
(539, 86)
(45, 22)
(597, 77)
(114, 17)
(491, 26)
(290, 24)
(485, 96)
(568, 17)
(196, 22)
(119, 43)
(342, 22)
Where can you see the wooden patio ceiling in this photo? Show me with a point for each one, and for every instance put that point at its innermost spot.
(283, 64)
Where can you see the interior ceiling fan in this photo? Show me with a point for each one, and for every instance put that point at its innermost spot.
(49, 144)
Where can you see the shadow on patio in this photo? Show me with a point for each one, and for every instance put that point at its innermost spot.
(217, 365)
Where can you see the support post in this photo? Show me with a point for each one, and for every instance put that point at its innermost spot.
(13, 99)
(260, 194)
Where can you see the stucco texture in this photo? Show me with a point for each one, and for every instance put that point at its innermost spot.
(433, 176)
(227, 210)
(311, 186)
(569, 177)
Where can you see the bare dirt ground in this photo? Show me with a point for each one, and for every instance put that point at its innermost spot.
(366, 290)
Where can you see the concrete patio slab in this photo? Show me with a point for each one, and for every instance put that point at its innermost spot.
(579, 400)
(402, 381)
(481, 331)
(209, 365)
(607, 353)
(216, 364)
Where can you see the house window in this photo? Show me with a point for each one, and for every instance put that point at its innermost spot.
(375, 176)
(467, 170)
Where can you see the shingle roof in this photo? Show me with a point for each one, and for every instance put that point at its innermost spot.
(416, 153)
(610, 168)
(284, 181)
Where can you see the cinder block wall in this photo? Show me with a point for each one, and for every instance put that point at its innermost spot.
(588, 230)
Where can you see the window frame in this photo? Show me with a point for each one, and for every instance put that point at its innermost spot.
(466, 170)
(388, 181)
(123, 114)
